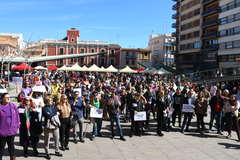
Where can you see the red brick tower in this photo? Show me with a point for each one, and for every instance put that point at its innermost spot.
(72, 35)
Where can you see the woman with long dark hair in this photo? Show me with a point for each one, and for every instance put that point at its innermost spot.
(24, 131)
(9, 125)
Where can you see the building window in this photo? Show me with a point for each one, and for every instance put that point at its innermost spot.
(102, 62)
(127, 62)
(72, 60)
(92, 50)
(71, 50)
(82, 50)
(229, 45)
(236, 44)
(112, 51)
(92, 61)
(103, 50)
(112, 62)
(61, 51)
(127, 54)
(133, 62)
(145, 54)
(82, 60)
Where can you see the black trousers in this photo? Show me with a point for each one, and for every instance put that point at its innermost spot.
(186, 121)
(200, 122)
(177, 112)
(232, 123)
(136, 126)
(159, 122)
(64, 131)
(10, 141)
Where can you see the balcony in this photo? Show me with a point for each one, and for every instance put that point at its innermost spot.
(174, 25)
(175, 16)
(211, 11)
(173, 52)
(131, 57)
(212, 47)
(174, 34)
(209, 24)
(208, 1)
(210, 35)
(175, 6)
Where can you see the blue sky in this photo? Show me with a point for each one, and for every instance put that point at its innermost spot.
(126, 22)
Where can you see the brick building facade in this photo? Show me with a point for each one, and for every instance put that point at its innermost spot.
(108, 54)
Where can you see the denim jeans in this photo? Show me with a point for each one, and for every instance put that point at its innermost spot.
(115, 118)
(79, 122)
(218, 117)
(97, 126)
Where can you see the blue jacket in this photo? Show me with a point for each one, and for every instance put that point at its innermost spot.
(77, 108)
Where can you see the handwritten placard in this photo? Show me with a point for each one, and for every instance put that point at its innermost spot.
(140, 116)
(21, 110)
(188, 108)
(96, 113)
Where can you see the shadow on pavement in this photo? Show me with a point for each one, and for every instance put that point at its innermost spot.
(230, 146)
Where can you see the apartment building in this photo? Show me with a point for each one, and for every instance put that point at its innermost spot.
(229, 39)
(162, 47)
(207, 35)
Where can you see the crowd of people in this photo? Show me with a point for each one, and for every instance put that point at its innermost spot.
(60, 103)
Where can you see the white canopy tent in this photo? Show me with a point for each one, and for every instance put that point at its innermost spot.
(111, 69)
(63, 68)
(40, 68)
(127, 69)
(102, 69)
(75, 67)
(84, 69)
(93, 68)
(164, 71)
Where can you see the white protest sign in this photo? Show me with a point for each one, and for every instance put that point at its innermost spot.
(188, 108)
(140, 116)
(96, 113)
(21, 110)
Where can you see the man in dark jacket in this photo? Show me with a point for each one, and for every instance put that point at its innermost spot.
(78, 106)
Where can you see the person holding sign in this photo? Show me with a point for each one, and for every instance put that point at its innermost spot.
(9, 125)
(201, 110)
(114, 111)
(97, 122)
(36, 120)
(188, 110)
(161, 107)
(138, 105)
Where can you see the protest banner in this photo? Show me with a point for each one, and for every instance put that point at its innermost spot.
(96, 113)
(140, 116)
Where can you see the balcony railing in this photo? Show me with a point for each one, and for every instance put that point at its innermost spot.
(174, 34)
(174, 16)
(175, 6)
(208, 24)
(174, 25)
(211, 11)
(210, 35)
(210, 47)
(131, 57)
(208, 1)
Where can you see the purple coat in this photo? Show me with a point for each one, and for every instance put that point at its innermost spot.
(9, 120)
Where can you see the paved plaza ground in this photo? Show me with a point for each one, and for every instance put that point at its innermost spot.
(172, 146)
